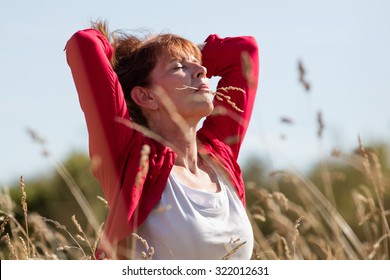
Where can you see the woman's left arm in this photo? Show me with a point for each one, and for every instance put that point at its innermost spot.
(236, 61)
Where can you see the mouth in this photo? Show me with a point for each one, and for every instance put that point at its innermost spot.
(201, 88)
(204, 88)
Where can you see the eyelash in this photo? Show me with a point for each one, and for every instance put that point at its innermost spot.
(180, 67)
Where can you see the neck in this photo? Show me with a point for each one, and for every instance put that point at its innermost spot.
(181, 137)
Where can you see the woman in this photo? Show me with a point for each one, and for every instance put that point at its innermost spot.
(178, 187)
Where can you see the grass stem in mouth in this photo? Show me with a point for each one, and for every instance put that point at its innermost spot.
(187, 87)
(220, 96)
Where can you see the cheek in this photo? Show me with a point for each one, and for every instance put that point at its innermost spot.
(178, 83)
(171, 82)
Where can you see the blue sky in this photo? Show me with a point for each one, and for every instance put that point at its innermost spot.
(344, 46)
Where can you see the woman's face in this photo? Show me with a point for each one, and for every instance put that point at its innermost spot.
(182, 83)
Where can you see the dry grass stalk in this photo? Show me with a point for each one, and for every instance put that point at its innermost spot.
(286, 248)
(322, 249)
(234, 250)
(76, 223)
(376, 246)
(97, 238)
(287, 120)
(24, 207)
(220, 96)
(320, 123)
(78, 246)
(84, 236)
(143, 165)
(327, 182)
(302, 76)
(281, 199)
(25, 250)
(3, 224)
(373, 171)
(102, 199)
(12, 250)
(295, 234)
(148, 254)
(6, 203)
(365, 210)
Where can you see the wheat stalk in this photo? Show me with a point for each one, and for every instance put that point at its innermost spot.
(234, 250)
(11, 247)
(143, 165)
(149, 250)
(62, 227)
(24, 206)
(220, 96)
(80, 230)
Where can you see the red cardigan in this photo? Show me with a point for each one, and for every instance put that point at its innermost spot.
(117, 147)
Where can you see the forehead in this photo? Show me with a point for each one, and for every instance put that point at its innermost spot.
(180, 48)
(182, 54)
(173, 57)
(180, 58)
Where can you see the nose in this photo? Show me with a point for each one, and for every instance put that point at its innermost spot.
(200, 71)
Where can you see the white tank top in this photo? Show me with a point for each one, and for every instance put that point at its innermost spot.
(192, 224)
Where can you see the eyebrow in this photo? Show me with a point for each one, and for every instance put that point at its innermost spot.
(194, 60)
(173, 60)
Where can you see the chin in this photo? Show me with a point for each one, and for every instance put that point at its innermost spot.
(203, 111)
(209, 110)
(204, 103)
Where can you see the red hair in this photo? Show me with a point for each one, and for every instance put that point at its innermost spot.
(135, 58)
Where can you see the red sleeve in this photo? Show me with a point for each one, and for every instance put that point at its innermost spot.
(236, 61)
(102, 100)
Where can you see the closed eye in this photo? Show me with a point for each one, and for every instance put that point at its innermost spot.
(177, 67)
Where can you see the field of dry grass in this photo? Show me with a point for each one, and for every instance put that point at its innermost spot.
(307, 225)
(312, 227)
(343, 214)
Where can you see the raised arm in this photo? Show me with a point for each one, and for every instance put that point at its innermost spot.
(236, 61)
(101, 99)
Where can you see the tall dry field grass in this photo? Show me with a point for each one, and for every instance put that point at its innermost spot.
(306, 225)
(310, 227)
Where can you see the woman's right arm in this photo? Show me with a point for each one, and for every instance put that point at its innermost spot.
(102, 101)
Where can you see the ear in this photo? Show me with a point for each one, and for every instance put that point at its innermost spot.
(143, 98)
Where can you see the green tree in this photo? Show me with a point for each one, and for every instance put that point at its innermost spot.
(50, 195)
